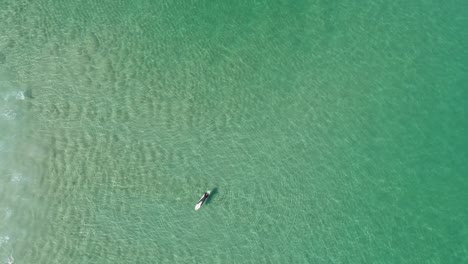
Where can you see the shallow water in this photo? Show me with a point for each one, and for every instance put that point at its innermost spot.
(332, 132)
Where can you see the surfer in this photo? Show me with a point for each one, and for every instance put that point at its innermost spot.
(202, 200)
(205, 195)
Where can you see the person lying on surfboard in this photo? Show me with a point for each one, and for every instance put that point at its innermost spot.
(202, 200)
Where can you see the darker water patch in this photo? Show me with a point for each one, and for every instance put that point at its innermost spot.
(28, 93)
(2, 58)
(213, 194)
(11, 43)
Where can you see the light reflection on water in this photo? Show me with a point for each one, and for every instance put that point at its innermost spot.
(15, 198)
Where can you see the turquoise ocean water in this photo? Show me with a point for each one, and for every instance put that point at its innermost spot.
(329, 131)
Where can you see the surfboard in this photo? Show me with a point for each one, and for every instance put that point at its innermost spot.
(201, 201)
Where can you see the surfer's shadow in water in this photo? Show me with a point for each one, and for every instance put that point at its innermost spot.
(213, 193)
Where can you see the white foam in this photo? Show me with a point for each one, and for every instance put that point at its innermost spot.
(17, 95)
(16, 177)
(4, 240)
(10, 259)
(9, 114)
(7, 213)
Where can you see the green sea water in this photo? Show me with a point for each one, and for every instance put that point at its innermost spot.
(329, 131)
